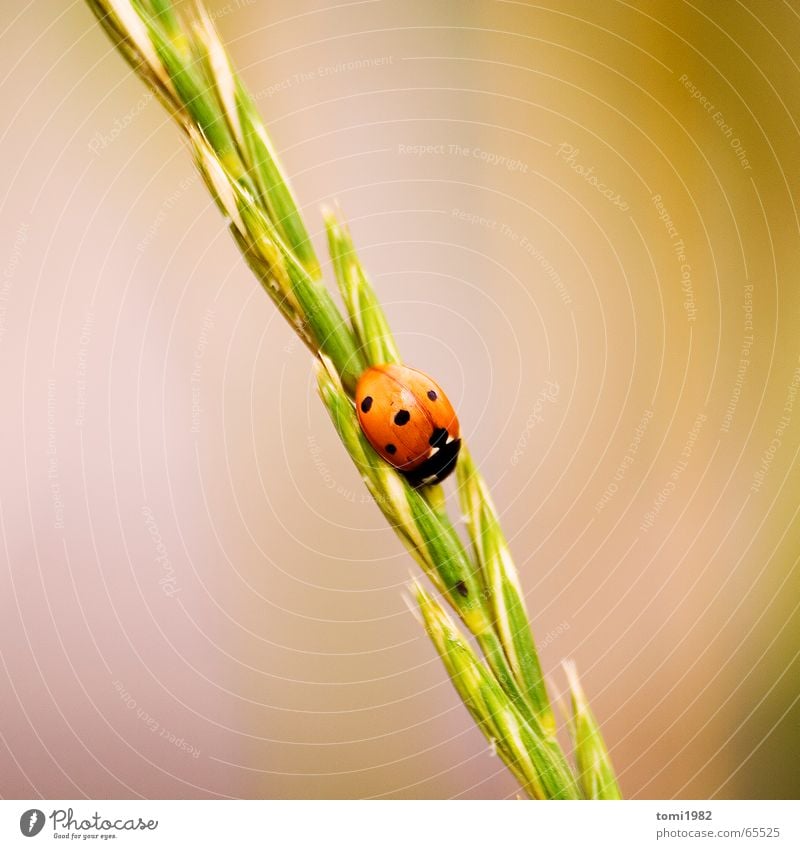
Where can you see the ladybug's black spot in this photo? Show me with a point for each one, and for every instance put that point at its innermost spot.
(432, 395)
(402, 417)
(462, 589)
(391, 449)
(366, 404)
(438, 437)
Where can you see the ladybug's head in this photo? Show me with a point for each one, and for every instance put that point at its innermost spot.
(438, 466)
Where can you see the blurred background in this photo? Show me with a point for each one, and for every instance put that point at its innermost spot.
(583, 220)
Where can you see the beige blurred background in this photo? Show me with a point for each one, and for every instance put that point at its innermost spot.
(199, 599)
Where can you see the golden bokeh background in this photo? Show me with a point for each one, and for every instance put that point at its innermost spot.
(583, 220)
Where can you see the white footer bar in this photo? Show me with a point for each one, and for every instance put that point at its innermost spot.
(400, 824)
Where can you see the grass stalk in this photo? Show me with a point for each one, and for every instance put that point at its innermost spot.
(595, 771)
(176, 50)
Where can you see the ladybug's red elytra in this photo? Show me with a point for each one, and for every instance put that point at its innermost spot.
(409, 421)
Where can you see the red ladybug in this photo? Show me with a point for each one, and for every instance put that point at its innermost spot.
(409, 421)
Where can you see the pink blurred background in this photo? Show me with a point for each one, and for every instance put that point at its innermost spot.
(200, 600)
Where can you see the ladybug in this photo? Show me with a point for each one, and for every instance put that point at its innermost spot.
(409, 421)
